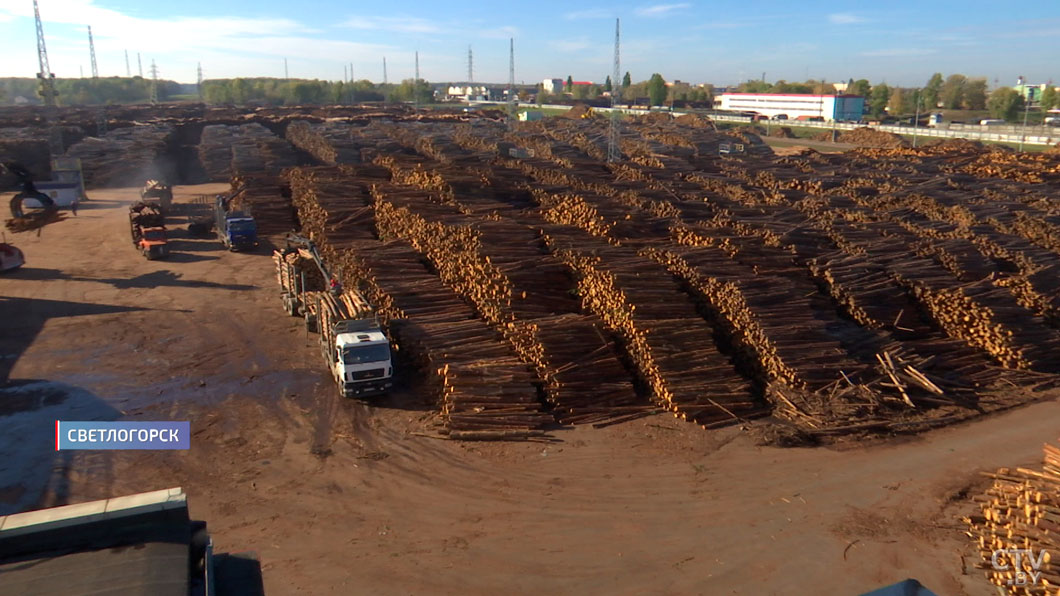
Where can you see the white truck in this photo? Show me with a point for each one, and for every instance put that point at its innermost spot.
(353, 344)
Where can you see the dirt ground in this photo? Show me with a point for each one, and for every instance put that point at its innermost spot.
(341, 497)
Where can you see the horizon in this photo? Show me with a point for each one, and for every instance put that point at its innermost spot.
(683, 41)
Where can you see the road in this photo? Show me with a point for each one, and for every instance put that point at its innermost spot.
(341, 497)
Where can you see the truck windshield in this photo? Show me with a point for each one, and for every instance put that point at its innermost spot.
(154, 235)
(363, 354)
(241, 226)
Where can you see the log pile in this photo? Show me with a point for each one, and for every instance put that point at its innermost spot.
(243, 149)
(125, 156)
(330, 143)
(1020, 514)
(268, 200)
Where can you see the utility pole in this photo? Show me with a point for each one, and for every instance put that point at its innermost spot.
(470, 70)
(1026, 109)
(511, 82)
(351, 72)
(154, 83)
(92, 52)
(139, 65)
(384, 70)
(614, 152)
(198, 83)
(286, 77)
(45, 76)
(916, 118)
(416, 82)
(128, 71)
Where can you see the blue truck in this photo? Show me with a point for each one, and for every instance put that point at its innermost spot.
(235, 228)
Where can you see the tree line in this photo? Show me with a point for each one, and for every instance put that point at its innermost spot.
(266, 91)
(88, 91)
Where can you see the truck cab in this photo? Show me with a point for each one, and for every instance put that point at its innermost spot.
(241, 233)
(153, 243)
(362, 360)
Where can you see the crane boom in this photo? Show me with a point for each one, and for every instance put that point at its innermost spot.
(47, 79)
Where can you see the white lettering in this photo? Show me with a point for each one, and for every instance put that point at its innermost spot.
(71, 435)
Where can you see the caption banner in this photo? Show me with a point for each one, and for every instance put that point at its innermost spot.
(121, 435)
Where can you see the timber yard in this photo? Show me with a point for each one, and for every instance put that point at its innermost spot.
(714, 365)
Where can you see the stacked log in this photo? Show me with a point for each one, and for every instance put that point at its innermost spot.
(1020, 515)
(125, 156)
(329, 142)
(244, 149)
(268, 200)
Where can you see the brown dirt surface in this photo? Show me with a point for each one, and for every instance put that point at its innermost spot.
(341, 497)
(578, 111)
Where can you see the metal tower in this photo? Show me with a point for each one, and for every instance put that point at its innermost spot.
(198, 82)
(154, 83)
(470, 69)
(139, 65)
(351, 72)
(47, 79)
(286, 76)
(128, 71)
(384, 70)
(614, 153)
(511, 81)
(92, 52)
(416, 82)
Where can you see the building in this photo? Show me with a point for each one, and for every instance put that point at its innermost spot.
(1030, 92)
(467, 92)
(552, 85)
(794, 105)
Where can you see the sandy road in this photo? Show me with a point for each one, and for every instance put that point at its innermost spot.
(339, 497)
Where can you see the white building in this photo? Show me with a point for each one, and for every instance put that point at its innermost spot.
(793, 106)
(552, 85)
(468, 92)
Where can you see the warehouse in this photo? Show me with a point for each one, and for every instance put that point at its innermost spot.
(792, 105)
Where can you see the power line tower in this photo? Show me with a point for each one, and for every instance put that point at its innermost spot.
(139, 65)
(128, 71)
(511, 81)
(614, 152)
(154, 83)
(286, 76)
(47, 78)
(92, 53)
(198, 82)
(416, 82)
(470, 69)
(384, 71)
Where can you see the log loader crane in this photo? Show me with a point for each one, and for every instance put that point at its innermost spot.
(353, 344)
(29, 191)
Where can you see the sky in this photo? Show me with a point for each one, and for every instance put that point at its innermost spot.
(901, 42)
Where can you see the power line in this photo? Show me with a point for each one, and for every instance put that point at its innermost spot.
(92, 52)
(614, 152)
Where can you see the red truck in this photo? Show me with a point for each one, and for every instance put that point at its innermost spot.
(148, 228)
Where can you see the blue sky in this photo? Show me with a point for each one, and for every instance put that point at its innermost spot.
(721, 42)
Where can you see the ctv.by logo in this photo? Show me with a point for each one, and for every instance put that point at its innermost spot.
(1001, 558)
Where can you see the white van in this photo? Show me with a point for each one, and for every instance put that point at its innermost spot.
(990, 122)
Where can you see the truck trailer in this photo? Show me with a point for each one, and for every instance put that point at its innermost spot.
(352, 342)
(147, 226)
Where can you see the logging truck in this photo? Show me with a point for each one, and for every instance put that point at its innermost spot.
(236, 229)
(352, 343)
(148, 229)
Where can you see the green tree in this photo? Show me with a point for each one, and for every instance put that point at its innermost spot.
(626, 81)
(581, 91)
(1005, 103)
(898, 104)
(975, 94)
(1049, 99)
(657, 89)
(878, 98)
(952, 93)
(607, 84)
(932, 91)
(570, 84)
(859, 87)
